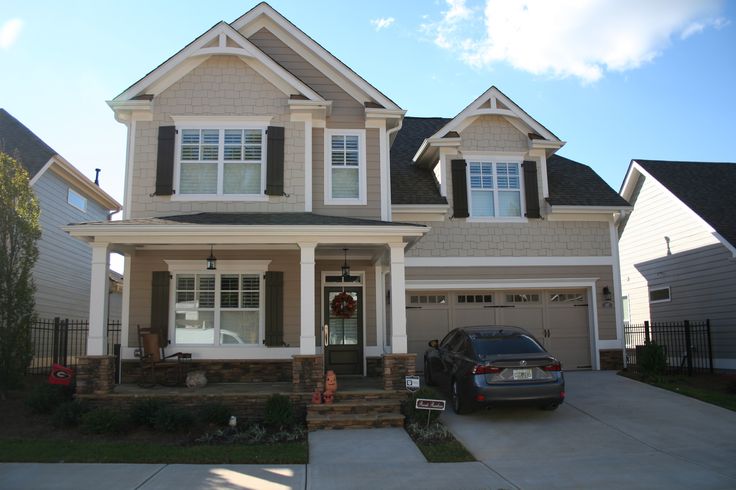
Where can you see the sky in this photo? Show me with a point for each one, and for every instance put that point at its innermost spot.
(615, 79)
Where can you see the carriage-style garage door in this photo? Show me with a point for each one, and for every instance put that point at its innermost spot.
(557, 318)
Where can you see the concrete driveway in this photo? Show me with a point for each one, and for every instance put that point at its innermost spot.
(611, 432)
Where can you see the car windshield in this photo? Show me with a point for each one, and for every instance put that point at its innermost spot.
(506, 344)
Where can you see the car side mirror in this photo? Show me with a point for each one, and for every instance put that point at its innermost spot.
(434, 343)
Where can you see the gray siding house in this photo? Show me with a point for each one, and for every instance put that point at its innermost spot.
(258, 147)
(62, 272)
(678, 247)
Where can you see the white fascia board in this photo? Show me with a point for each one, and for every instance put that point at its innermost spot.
(197, 48)
(685, 208)
(554, 209)
(435, 142)
(604, 260)
(375, 113)
(444, 284)
(474, 109)
(547, 145)
(420, 208)
(268, 11)
(69, 172)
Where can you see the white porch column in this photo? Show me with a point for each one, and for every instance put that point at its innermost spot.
(307, 338)
(398, 300)
(99, 285)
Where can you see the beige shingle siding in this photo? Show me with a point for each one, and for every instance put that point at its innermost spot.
(537, 238)
(220, 86)
(492, 133)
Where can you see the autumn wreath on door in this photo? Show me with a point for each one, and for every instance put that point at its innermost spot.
(343, 305)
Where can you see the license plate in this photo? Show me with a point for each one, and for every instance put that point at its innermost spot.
(522, 374)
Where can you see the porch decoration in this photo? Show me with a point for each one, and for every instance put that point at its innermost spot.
(317, 397)
(343, 305)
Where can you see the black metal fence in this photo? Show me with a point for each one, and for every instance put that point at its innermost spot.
(687, 345)
(63, 341)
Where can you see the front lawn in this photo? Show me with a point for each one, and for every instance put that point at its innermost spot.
(717, 389)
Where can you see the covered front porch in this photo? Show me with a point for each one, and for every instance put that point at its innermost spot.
(265, 311)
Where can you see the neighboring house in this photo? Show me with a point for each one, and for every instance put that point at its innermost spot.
(62, 272)
(256, 146)
(678, 247)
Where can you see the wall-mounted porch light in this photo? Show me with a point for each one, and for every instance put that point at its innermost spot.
(211, 261)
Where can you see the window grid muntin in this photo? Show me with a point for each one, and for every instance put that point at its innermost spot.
(345, 163)
(499, 179)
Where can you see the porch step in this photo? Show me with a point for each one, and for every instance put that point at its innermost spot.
(327, 421)
(356, 411)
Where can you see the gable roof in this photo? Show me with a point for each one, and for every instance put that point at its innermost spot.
(18, 141)
(410, 183)
(574, 184)
(331, 60)
(36, 156)
(705, 187)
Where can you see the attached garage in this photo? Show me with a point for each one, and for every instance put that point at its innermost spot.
(559, 319)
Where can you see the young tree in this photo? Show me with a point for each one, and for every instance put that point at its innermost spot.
(19, 230)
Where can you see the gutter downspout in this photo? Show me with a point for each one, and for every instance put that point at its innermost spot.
(389, 132)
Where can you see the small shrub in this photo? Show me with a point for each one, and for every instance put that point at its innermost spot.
(45, 398)
(279, 411)
(104, 421)
(436, 432)
(653, 360)
(214, 414)
(252, 434)
(69, 414)
(143, 412)
(731, 387)
(418, 415)
(172, 419)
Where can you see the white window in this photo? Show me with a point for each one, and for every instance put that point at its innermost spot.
(218, 308)
(495, 189)
(659, 295)
(221, 162)
(345, 167)
(76, 199)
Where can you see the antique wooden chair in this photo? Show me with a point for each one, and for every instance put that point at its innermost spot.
(153, 358)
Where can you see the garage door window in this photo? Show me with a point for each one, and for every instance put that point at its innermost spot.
(522, 298)
(474, 298)
(430, 299)
(566, 298)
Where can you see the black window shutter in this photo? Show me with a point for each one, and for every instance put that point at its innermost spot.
(459, 189)
(160, 305)
(165, 161)
(275, 161)
(531, 190)
(274, 309)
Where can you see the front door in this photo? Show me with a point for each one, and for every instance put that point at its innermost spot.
(343, 339)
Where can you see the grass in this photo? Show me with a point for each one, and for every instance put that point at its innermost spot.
(714, 389)
(47, 451)
(445, 452)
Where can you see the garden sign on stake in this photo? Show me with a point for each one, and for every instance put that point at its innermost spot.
(429, 405)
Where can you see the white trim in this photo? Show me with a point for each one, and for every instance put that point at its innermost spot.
(650, 289)
(361, 283)
(420, 208)
(399, 340)
(129, 165)
(617, 292)
(308, 164)
(73, 193)
(557, 209)
(98, 300)
(220, 122)
(197, 49)
(494, 160)
(362, 199)
(327, 57)
(125, 313)
(385, 172)
(307, 340)
(611, 344)
(447, 284)
(181, 266)
(507, 261)
(380, 307)
(238, 352)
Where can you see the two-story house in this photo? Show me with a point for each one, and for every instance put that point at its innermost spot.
(279, 208)
(62, 272)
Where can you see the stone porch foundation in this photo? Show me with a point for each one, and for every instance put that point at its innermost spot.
(95, 375)
(395, 368)
(612, 359)
(308, 373)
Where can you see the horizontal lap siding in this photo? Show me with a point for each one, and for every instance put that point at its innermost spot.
(602, 274)
(62, 272)
(700, 271)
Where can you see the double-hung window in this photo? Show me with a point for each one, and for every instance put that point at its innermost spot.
(220, 308)
(223, 161)
(495, 189)
(345, 167)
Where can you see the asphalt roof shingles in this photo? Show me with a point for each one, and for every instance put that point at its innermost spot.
(20, 142)
(708, 188)
(575, 184)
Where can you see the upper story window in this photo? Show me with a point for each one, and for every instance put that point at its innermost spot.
(345, 167)
(224, 161)
(77, 200)
(495, 189)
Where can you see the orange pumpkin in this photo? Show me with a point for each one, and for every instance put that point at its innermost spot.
(329, 397)
(317, 397)
(331, 382)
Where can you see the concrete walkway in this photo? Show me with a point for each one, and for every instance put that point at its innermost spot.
(611, 432)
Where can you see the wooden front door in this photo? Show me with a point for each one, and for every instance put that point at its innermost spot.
(344, 337)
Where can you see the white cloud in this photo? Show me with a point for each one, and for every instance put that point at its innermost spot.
(383, 23)
(9, 32)
(583, 39)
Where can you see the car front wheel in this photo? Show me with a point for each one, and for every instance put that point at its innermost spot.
(459, 405)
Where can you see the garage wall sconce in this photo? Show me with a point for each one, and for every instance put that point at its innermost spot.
(607, 297)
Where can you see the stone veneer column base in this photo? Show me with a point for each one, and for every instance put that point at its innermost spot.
(95, 375)
(308, 373)
(612, 359)
(395, 368)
